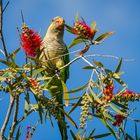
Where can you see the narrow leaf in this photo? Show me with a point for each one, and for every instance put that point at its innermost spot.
(90, 136)
(128, 136)
(73, 136)
(119, 66)
(97, 63)
(34, 73)
(82, 52)
(75, 42)
(69, 29)
(18, 133)
(68, 117)
(14, 53)
(88, 68)
(66, 95)
(118, 111)
(78, 89)
(101, 135)
(2, 52)
(76, 105)
(95, 97)
(109, 127)
(102, 37)
(136, 132)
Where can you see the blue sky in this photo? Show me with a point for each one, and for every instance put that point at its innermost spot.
(119, 16)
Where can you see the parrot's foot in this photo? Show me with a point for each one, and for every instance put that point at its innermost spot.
(57, 71)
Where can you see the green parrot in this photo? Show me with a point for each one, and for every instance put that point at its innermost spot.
(54, 56)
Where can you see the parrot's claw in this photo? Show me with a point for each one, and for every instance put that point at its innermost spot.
(57, 71)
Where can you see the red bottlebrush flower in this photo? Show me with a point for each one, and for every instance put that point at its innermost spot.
(128, 92)
(108, 93)
(30, 41)
(81, 28)
(108, 90)
(118, 119)
(127, 96)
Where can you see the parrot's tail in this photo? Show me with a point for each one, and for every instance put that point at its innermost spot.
(56, 91)
(62, 126)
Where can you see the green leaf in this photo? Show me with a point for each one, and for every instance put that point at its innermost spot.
(73, 136)
(40, 109)
(69, 29)
(76, 105)
(118, 111)
(2, 78)
(120, 105)
(108, 126)
(119, 66)
(78, 133)
(99, 64)
(34, 73)
(14, 53)
(117, 78)
(74, 98)
(128, 136)
(136, 132)
(93, 26)
(95, 97)
(18, 133)
(102, 37)
(90, 136)
(6, 63)
(42, 78)
(78, 89)
(2, 52)
(65, 91)
(88, 68)
(101, 135)
(26, 106)
(75, 42)
(68, 117)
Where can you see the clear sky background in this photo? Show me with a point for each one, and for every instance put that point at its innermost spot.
(120, 16)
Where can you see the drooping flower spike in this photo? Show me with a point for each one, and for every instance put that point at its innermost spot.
(30, 41)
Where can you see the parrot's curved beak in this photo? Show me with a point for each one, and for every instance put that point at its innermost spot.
(60, 22)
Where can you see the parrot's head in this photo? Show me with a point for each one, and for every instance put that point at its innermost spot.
(57, 26)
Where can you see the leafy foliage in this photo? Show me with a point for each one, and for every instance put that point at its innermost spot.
(98, 98)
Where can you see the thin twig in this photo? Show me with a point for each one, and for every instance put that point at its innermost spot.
(108, 56)
(14, 124)
(72, 61)
(12, 100)
(22, 118)
(5, 7)
(87, 61)
(1, 30)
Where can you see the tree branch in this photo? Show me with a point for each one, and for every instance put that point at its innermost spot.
(12, 100)
(1, 31)
(14, 124)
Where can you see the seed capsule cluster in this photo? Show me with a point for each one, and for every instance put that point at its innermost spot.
(85, 111)
(35, 85)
